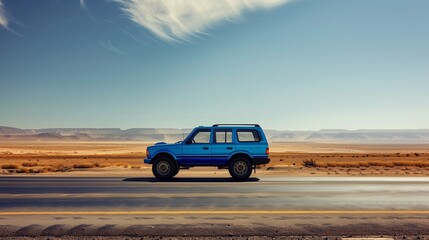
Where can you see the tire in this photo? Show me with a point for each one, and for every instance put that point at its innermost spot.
(240, 168)
(164, 168)
(176, 172)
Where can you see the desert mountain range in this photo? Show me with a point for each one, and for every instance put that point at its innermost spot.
(174, 134)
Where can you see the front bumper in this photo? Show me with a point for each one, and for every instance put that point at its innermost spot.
(260, 161)
(147, 160)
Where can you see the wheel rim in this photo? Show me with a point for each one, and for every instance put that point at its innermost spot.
(240, 168)
(163, 167)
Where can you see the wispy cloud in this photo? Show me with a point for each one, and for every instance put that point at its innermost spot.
(3, 18)
(175, 20)
(109, 46)
(82, 4)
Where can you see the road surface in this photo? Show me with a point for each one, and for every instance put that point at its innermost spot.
(274, 205)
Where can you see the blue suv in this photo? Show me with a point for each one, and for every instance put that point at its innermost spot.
(238, 147)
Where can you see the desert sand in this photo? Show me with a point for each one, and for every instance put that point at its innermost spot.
(287, 158)
(119, 159)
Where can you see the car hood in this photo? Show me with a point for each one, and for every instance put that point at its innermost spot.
(163, 144)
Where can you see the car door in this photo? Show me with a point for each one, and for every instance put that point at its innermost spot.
(197, 149)
(222, 145)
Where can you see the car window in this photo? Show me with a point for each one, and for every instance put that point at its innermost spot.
(202, 136)
(248, 136)
(223, 136)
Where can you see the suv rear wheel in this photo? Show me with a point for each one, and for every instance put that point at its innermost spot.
(240, 168)
(164, 168)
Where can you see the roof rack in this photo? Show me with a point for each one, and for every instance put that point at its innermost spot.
(235, 124)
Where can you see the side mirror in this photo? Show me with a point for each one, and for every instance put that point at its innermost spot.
(189, 141)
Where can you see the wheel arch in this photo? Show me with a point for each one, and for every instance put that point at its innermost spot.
(164, 153)
(241, 154)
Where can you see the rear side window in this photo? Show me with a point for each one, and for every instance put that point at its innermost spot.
(248, 136)
(223, 136)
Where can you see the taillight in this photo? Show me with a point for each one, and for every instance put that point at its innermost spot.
(267, 151)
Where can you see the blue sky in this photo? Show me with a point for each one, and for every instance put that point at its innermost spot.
(304, 64)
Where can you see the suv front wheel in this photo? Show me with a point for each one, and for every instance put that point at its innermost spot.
(240, 168)
(164, 168)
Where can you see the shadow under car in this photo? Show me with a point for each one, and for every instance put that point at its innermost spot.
(189, 179)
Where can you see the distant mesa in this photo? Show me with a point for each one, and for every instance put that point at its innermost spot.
(174, 134)
(333, 131)
(315, 136)
(284, 136)
(348, 136)
(14, 131)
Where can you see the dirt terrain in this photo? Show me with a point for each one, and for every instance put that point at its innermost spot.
(220, 227)
(99, 160)
(287, 158)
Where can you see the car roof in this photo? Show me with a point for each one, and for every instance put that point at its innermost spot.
(236, 124)
(243, 126)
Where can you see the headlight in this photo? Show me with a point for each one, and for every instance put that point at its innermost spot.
(147, 153)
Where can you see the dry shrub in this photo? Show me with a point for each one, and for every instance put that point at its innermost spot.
(62, 167)
(102, 165)
(135, 166)
(309, 163)
(9, 166)
(49, 169)
(376, 163)
(332, 164)
(337, 164)
(122, 164)
(389, 164)
(422, 164)
(29, 164)
(349, 164)
(363, 164)
(402, 163)
(22, 170)
(84, 165)
(381, 164)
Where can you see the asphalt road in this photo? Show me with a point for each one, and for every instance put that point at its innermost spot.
(213, 194)
(265, 206)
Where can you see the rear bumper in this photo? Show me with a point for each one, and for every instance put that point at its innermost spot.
(259, 161)
(147, 160)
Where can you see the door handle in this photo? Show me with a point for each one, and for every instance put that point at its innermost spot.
(205, 148)
(229, 148)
